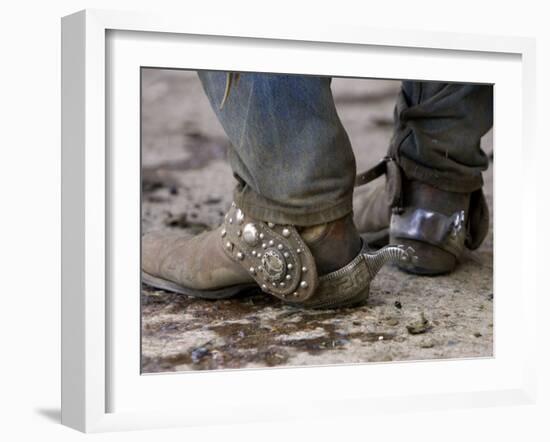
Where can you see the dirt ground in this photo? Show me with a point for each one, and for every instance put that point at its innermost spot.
(186, 185)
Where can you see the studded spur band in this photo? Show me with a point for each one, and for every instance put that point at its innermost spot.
(274, 255)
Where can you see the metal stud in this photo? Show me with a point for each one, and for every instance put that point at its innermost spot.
(253, 252)
(289, 266)
(262, 236)
(304, 269)
(239, 233)
(252, 270)
(230, 220)
(298, 250)
(288, 277)
(304, 285)
(270, 225)
(282, 284)
(264, 245)
(274, 284)
(240, 255)
(239, 216)
(271, 242)
(224, 232)
(295, 294)
(250, 234)
(286, 232)
(280, 247)
(228, 245)
(286, 254)
(264, 287)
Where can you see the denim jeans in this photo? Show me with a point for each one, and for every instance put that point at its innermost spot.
(292, 157)
(437, 132)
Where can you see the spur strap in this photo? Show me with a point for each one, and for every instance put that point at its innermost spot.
(372, 173)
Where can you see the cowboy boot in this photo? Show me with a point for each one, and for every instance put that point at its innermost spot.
(438, 224)
(320, 266)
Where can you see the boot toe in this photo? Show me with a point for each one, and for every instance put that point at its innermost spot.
(155, 244)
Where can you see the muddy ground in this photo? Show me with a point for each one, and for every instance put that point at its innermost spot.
(186, 182)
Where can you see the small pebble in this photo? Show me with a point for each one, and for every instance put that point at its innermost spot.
(198, 354)
(427, 344)
(422, 325)
(380, 338)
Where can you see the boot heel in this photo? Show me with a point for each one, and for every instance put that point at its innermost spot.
(431, 260)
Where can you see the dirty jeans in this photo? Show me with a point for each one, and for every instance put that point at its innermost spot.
(293, 160)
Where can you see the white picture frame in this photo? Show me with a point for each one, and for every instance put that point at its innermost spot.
(90, 170)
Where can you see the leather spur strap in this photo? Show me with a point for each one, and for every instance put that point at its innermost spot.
(394, 182)
(372, 173)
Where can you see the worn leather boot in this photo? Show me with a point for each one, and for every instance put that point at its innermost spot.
(372, 214)
(436, 223)
(320, 266)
